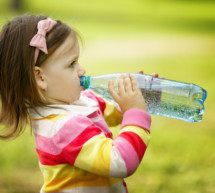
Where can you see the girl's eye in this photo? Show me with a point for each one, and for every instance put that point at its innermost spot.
(72, 64)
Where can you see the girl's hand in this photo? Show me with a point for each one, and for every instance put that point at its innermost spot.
(153, 74)
(128, 95)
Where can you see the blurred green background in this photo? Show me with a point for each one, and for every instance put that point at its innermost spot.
(175, 38)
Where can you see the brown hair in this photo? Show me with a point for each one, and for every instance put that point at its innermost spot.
(18, 87)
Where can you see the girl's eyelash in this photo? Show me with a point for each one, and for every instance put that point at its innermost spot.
(72, 63)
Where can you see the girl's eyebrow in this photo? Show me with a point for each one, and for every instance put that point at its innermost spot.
(75, 58)
(71, 59)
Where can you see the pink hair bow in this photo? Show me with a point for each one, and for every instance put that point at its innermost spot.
(39, 40)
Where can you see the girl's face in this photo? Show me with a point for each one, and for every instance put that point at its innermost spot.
(62, 72)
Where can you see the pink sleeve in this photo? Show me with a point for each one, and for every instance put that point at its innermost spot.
(138, 118)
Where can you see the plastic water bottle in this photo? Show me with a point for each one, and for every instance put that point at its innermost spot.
(163, 97)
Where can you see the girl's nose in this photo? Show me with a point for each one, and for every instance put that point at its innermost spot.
(81, 71)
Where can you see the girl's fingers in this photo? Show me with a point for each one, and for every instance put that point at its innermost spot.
(155, 74)
(127, 83)
(134, 83)
(112, 90)
(121, 87)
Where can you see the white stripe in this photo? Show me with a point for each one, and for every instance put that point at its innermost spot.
(117, 165)
(96, 119)
(116, 188)
(48, 128)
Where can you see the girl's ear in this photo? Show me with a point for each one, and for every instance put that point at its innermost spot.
(40, 78)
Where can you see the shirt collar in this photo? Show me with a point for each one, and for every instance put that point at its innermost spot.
(84, 106)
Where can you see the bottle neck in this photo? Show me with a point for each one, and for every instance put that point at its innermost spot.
(85, 81)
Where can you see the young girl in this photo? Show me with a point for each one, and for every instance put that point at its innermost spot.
(40, 83)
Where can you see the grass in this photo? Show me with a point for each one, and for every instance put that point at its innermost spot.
(187, 169)
(174, 38)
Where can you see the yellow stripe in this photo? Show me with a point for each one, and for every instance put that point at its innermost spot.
(102, 160)
(58, 171)
(66, 176)
(143, 134)
(111, 115)
(53, 118)
(86, 180)
(95, 155)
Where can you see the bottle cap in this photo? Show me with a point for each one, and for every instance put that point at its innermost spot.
(85, 81)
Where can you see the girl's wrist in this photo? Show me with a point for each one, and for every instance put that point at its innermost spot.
(136, 117)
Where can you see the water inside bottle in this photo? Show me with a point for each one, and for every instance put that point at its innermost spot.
(164, 104)
(186, 104)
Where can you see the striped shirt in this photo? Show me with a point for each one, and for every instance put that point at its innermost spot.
(76, 149)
